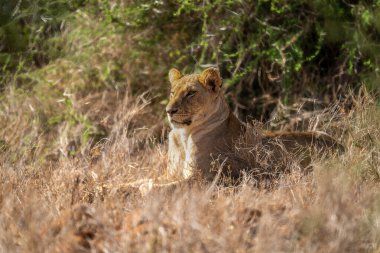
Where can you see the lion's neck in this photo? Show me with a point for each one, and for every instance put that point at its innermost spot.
(213, 120)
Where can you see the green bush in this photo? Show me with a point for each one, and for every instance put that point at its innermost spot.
(27, 32)
(279, 47)
(286, 49)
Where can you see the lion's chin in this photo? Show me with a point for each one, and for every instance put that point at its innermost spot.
(183, 123)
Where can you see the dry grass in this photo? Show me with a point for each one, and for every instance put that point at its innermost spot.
(60, 205)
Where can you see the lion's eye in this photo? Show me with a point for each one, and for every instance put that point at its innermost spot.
(190, 93)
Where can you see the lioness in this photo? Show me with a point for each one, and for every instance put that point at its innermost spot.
(203, 127)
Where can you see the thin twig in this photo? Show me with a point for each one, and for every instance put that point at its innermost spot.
(217, 177)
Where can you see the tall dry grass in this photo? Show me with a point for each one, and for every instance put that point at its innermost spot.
(61, 205)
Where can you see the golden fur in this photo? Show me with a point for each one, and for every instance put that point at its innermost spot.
(203, 128)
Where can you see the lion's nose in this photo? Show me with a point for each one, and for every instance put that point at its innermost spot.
(171, 111)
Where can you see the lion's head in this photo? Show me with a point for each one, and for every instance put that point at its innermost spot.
(192, 97)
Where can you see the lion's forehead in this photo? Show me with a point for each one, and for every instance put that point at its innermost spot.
(184, 82)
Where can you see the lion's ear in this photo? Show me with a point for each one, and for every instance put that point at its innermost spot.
(174, 75)
(211, 79)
